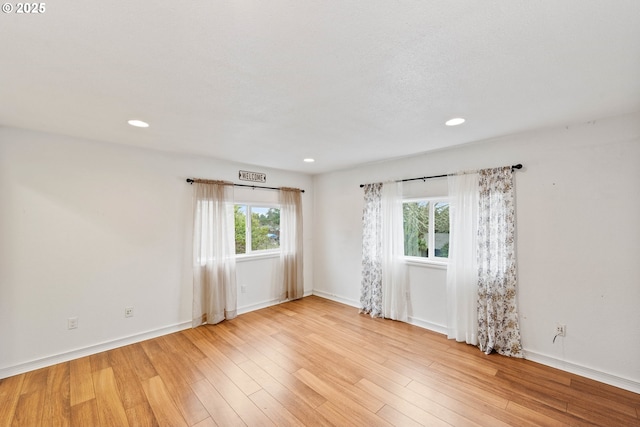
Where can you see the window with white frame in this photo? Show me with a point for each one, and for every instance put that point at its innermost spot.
(426, 228)
(257, 229)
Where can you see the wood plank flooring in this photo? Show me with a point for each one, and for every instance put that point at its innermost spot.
(311, 362)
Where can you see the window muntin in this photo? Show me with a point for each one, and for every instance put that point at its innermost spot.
(426, 228)
(257, 229)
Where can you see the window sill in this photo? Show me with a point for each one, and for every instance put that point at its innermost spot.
(257, 256)
(428, 263)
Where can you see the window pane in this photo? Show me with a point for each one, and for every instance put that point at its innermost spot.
(265, 228)
(416, 228)
(241, 228)
(441, 229)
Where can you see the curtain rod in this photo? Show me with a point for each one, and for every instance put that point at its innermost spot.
(518, 166)
(191, 181)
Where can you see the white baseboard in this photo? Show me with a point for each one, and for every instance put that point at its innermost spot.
(441, 329)
(92, 349)
(583, 371)
(265, 304)
(336, 298)
(258, 306)
(412, 320)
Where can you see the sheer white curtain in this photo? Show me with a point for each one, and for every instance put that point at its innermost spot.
(394, 276)
(214, 261)
(291, 243)
(462, 272)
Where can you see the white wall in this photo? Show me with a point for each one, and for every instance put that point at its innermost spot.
(578, 204)
(87, 229)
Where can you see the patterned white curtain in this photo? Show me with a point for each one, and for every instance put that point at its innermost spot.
(291, 244)
(371, 286)
(462, 271)
(498, 327)
(214, 260)
(394, 278)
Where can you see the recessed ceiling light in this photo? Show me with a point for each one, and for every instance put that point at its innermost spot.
(138, 123)
(309, 160)
(455, 122)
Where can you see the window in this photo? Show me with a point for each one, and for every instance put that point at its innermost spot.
(426, 228)
(257, 229)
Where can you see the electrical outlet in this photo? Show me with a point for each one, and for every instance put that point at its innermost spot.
(243, 289)
(72, 323)
(128, 312)
(561, 330)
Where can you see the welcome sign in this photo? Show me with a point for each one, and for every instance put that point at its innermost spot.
(252, 176)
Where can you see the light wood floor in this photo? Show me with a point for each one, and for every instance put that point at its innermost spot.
(311, 362)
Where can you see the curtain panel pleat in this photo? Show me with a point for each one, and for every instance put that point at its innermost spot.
(384, 287)
(394, 277)
(371, 284)
(291, 241)
(214, 264)
(481, 276)
(498, 325)
(462, 271)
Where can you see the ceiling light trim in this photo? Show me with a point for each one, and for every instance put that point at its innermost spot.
(138, 123)
(456, 121)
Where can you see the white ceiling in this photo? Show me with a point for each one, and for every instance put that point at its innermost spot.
(345, 82)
